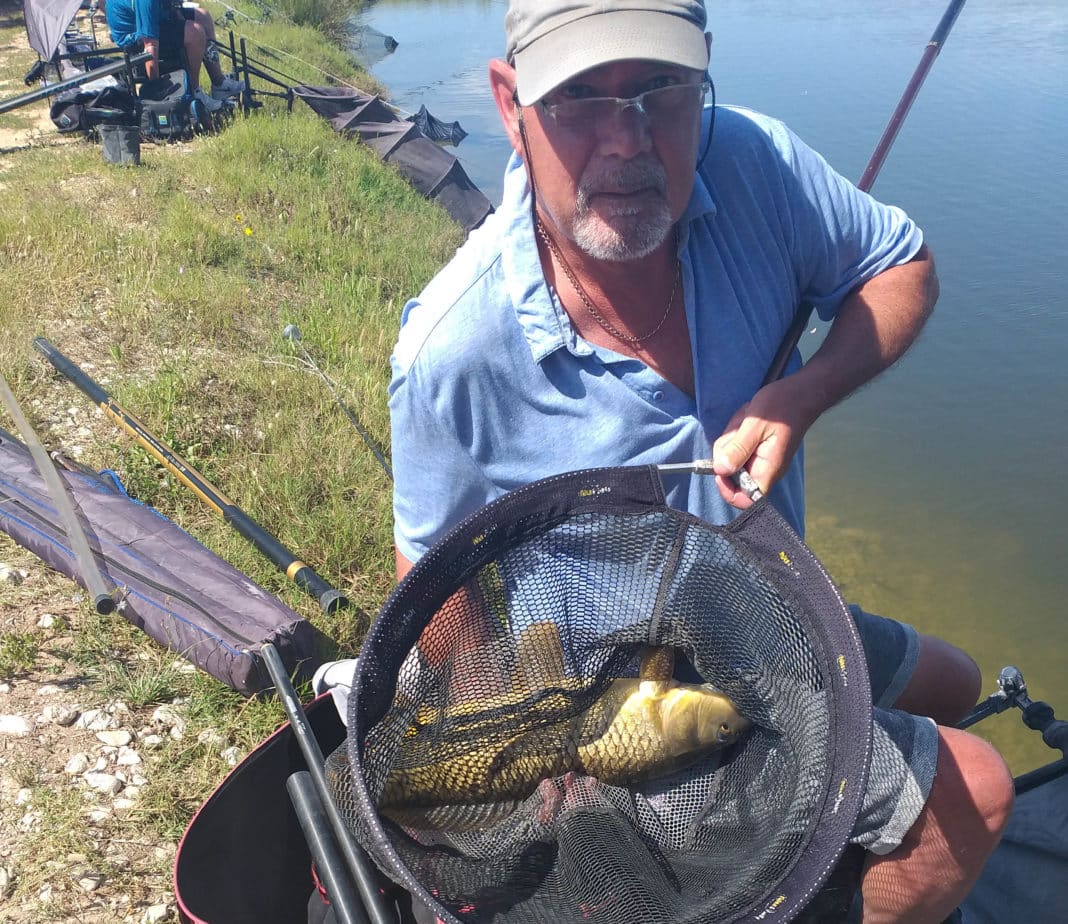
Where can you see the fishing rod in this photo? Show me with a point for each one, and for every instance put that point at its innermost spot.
(292, 333)
(103, 598)
(867, 179)
(1036, 715)
(107, 70)
(297, 571)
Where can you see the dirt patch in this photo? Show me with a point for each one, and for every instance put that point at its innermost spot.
(30, 126)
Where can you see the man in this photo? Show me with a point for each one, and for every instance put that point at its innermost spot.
(622, 307)
(162, 30)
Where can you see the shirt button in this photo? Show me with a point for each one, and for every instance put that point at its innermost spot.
(658, 396)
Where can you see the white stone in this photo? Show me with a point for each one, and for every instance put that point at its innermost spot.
(115, 738)
(47, 621)
(122, 804)
(56, 714)
(90, 882)
(138, 780)
(77, 765)
(100, 765)
(45, 895)
(231, 755)
(152, 741)
(9, 575)
(49, 689)
(154, 914)
(5, 687)
(104, 782)
(99, 814)
(128, 758)
(211, 737)
(7, 880)
(23, 796)
(16, 725)
(96, 720)
(168, 716)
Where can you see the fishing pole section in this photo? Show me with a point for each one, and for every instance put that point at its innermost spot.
(292, 333)
(92, 577)
(871, 171)
(330, 599)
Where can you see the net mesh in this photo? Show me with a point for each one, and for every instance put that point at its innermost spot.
(504, 772)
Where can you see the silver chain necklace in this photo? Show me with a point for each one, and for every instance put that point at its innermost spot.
(590, 307)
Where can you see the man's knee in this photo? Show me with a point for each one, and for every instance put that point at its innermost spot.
(972, 794)
(944, 852)
(945, 685)
(195, 39)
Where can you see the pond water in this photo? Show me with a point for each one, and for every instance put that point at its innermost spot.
(937, 495)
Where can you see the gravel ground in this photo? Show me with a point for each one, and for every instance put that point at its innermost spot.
(63, 748)
(74, 763)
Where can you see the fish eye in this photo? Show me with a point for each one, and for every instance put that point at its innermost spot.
(725, 728)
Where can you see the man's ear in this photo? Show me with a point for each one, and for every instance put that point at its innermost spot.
(502, 83)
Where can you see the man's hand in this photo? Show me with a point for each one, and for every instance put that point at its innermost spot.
(875, 325)
(761, 438)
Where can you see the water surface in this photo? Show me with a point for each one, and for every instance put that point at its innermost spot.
(938, 494)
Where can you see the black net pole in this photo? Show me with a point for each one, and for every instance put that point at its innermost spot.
(356, 861)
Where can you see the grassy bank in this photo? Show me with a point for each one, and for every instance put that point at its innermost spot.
(170, 284)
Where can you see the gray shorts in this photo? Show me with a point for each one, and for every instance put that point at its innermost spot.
(904, 746)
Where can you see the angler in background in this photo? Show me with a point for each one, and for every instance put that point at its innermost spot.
(164, 29)
(621, 307)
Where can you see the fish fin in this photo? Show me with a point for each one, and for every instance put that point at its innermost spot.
(657, 663)
(539, 658)
(455, 819)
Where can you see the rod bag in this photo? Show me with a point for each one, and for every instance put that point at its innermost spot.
(175, 589)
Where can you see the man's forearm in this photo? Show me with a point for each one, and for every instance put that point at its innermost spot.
(874, 327)
(152, 66)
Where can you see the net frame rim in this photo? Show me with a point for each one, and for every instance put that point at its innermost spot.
(634, 489)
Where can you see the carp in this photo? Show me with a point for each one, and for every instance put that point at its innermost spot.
(638, 728)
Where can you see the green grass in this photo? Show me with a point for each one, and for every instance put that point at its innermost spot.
(18, 653)
(170, 284)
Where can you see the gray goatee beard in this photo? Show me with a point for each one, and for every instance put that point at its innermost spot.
(627, 232)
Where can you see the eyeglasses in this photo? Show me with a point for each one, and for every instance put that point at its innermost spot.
(658, 106)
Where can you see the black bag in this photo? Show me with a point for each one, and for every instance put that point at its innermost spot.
(113, 106)
(67, 111)
(166, 107)
(84, 110)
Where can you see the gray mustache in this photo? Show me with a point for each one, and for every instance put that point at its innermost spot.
(629, 177)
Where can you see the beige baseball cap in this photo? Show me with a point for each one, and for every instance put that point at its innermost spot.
(550, 41)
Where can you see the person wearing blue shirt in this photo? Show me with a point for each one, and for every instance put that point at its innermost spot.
(622, 307)
(163, 30)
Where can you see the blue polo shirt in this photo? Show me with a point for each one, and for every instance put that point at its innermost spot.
(131, 21)
(493, 388)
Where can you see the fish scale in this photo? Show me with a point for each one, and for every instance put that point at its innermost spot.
(637, 729)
